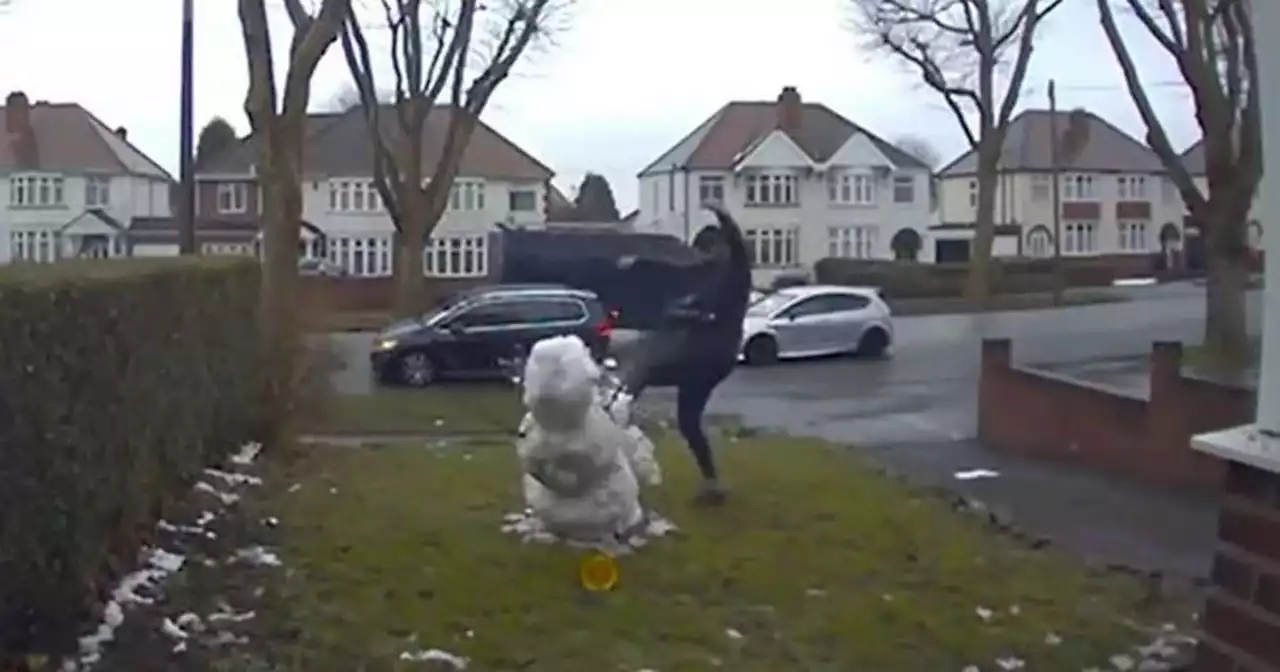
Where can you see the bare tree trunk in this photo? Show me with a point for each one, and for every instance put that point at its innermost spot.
(282, 211)
(1226, 285)
(408, 273)
(978, 283)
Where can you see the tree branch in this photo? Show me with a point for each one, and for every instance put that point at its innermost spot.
(1156, 136)
(386, 172)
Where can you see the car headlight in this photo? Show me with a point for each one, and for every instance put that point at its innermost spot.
(387, 343)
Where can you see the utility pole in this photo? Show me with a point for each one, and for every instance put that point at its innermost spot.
(1055, 173)
(187, 199)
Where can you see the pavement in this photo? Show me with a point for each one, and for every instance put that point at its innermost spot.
(916, 413)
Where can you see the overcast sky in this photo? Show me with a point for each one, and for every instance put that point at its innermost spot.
(622, 84)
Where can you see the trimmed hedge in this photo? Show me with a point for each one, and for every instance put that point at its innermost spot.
(119, 381)
(911, 280)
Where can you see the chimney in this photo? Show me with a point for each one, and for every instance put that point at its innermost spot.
(17, 113)
(122, 133)
(790, 109)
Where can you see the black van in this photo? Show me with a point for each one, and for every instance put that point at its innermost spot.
(638, 296)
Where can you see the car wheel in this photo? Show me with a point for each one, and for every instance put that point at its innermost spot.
(873, 343)
(761, 350)
(416, 369)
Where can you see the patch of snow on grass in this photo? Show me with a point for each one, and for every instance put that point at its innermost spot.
(435, 656)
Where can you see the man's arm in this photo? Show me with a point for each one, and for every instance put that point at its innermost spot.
(732, 234)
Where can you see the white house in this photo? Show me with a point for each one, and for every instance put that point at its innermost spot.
(804, 182)
(1115, 197)
(498, 183)
(74, 185)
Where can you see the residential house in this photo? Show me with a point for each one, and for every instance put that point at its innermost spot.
(345, 219)
(803, 181)
(1193, 159)
(75, 185)
(1116, 200)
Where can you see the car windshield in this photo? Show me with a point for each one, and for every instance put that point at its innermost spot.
(770, 304)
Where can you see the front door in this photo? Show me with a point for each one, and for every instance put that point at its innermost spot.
(951, 251)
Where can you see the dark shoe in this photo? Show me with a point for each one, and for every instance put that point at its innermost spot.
(710, 493)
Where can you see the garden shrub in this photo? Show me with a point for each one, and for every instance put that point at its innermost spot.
(911, 280)
(119, 381)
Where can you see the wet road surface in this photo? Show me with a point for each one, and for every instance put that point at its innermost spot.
(916, 413)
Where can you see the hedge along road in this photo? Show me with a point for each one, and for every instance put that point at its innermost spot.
(926, 392)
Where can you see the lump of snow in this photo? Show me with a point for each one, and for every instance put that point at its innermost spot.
(1122, 662)
(732, 634)
(233, 479)
(1052, 639)
(171, 629)
(227, 498)
(257, 555)
(983, 613)
(436, 656)
(248, 453)
(165, 561)
(1010, 663)
(974, 474)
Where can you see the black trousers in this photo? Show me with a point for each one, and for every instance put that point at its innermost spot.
(694, 362)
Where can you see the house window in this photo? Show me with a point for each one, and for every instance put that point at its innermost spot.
(97, 192)
(852, 242)
(524, 200)
(973, 193)
(773, 247)
(35, 246)
(354, 196)
(456, 257)
(1077, 188)
(710, 188)
(1039, 243)
(36, 191)
(1133, 236)
(852, 189)
(1131, 187)
(466, 195)
(1079, 238)
(904, 189)
(772, 189)
(233, 197)
(1041, 188)
(364, 256)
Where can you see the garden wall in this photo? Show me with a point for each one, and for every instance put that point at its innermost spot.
(1037, 413)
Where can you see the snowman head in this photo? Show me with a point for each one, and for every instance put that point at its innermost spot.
(560, 379)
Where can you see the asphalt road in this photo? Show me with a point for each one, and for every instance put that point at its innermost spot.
(925, 392)
(916, 414)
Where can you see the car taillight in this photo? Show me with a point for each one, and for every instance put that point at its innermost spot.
(607, 325)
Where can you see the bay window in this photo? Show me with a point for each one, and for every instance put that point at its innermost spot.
(456, 256)
(773, 247)
(772, 189)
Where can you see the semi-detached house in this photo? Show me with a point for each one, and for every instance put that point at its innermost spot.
(74, 186)
(345, 221)
(803, 181)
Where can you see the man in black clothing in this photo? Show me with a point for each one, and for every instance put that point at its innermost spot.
(697, 346)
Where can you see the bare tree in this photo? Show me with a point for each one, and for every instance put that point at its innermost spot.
(1212, 44)
(961, 49)
(278, 121)
(437, 49)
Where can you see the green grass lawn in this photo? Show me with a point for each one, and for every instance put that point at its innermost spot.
(450, 410)
(816, 563)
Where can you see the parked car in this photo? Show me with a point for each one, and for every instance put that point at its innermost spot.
(486, 332)
(816, 320)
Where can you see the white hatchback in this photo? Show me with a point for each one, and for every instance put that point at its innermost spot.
(816, 320)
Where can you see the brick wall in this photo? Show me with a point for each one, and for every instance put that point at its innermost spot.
(1046, 415)
(1242, 615)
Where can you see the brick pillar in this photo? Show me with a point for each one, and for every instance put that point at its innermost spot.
(1242, 615)
(997, 353)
